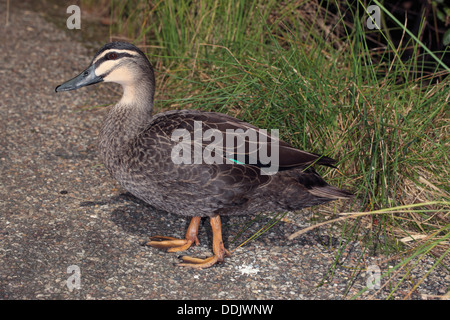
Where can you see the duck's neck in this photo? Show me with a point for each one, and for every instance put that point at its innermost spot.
(128, 118)
(138, 96)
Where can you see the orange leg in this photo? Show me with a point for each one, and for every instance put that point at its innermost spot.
(218, 248)
(174, 244)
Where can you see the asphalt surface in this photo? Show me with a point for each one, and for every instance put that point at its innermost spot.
(60, 210)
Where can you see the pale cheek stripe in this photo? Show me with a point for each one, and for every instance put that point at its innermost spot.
(134, 53)
(105, 67)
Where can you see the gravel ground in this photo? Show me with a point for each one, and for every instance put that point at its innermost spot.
(59, 207)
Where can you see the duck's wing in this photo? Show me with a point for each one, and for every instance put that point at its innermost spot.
(226, 183)
(241, 143)
(213, 186)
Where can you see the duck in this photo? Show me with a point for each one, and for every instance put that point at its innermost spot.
(158, 158)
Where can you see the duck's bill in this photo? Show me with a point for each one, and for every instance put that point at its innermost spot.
(86, 78)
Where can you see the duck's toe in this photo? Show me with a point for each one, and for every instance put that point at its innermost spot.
(171, 244)
(198, 263)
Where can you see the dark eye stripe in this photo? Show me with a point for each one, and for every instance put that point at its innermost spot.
(119, 55)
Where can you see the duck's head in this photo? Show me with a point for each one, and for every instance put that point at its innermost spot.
(118, 62)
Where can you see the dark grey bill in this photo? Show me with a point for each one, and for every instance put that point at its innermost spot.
(86, 78)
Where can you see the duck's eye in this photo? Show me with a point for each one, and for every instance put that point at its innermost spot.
(112, 56)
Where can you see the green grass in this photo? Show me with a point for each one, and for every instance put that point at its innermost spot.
(301, 69)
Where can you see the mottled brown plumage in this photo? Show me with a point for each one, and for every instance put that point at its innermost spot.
(136, 148)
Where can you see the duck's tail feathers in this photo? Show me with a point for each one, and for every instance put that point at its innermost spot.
(330, 192)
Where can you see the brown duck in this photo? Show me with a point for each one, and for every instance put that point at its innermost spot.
(161, 160)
